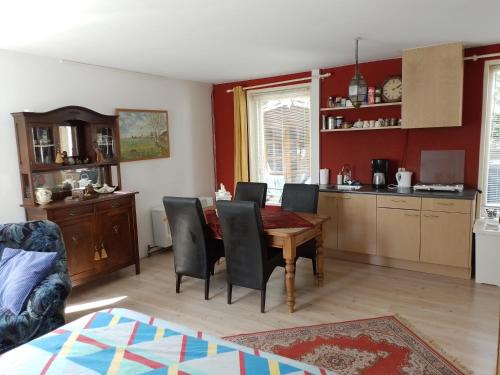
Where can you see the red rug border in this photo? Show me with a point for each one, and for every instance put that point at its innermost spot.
(395, 317)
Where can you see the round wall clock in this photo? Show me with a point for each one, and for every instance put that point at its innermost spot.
(392, 89)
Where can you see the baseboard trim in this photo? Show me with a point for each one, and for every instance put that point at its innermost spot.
(437, 269)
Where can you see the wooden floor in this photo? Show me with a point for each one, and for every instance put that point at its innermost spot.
(459, 315)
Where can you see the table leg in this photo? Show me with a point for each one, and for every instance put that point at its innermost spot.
(289, 255)
(320, 259)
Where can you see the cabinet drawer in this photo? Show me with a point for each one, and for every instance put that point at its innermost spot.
(394, 201)
(112, 204)
(71, 212)
(446, 205)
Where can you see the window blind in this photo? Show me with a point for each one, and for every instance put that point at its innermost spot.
(493, 141)
(279, 136)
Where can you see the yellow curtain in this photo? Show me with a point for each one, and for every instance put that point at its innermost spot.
(241, 172)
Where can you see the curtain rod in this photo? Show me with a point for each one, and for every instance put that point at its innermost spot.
(477, 57)
(321, 76)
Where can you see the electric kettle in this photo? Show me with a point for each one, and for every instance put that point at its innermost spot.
(403, 178)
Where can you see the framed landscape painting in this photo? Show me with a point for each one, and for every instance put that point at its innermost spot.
(143, 134)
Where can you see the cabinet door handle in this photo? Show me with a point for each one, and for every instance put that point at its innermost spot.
(116, 228)
(75, 238)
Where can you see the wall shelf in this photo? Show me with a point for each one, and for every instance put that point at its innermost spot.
(359, 129)
(327, 109)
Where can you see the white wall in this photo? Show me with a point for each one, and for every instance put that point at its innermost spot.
(41, 84)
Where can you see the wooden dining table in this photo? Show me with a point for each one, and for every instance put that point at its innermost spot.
(301, 228)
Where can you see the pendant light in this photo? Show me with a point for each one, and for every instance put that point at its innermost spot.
(358, 89)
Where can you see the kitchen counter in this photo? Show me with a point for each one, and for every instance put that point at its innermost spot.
(467, 194)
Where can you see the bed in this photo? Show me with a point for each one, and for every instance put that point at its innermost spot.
(121, 341)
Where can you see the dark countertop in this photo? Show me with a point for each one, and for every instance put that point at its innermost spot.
(468, 194)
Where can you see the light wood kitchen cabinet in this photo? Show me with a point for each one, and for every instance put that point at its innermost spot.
(328, 205)
(357, 223)
(398, 233)
(447, 205)
(416, 233)
(445, 238)
(433, 86)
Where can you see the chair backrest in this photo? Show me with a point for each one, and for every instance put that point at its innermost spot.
(188, 229)
(300, 198)
(40, 235)
(251, 192)
(244, 243)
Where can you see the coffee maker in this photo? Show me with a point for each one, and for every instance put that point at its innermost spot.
(380, 167)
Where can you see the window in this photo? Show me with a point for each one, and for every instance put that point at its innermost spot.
(279, 129)
(491, 138)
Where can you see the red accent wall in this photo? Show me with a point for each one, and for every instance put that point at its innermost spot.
(402, 147)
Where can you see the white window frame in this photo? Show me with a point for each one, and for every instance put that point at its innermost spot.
(314, 92)
(485, 128)
(254, 144)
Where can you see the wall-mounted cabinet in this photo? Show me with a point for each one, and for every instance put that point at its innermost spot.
(433, 86)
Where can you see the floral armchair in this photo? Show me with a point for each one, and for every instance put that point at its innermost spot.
(44, 309)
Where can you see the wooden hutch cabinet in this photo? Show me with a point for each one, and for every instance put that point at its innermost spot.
(61, 151)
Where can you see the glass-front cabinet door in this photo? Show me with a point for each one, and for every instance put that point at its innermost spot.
(104, 143)
(43, 144)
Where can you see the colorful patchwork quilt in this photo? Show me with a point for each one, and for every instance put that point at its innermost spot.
(120, 341)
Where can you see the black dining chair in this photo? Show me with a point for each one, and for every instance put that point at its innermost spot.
(302, 198)
(249, 261)
(251, 192)
(195, 254)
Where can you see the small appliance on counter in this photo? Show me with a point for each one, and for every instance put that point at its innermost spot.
(403, 178)
(380, 167)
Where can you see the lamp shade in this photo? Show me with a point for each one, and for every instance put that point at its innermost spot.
(358, 89)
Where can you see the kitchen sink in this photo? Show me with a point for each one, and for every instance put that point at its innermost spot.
(346, 187)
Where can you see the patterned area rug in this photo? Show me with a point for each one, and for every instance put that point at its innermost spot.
(384, 345)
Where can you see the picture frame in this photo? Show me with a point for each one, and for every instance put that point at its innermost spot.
(144, 134)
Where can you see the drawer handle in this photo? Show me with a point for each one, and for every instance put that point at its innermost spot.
(445, 204)
(397, 200)
(414, 215)
(114, 205)
(73, 213)
(433, 216)
(116, 228)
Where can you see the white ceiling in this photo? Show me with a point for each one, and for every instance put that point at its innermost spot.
(226, 40)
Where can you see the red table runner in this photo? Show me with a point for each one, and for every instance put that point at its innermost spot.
(273, 217)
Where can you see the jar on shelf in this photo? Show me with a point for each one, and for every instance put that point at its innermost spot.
(371, 95)
(339, 121)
